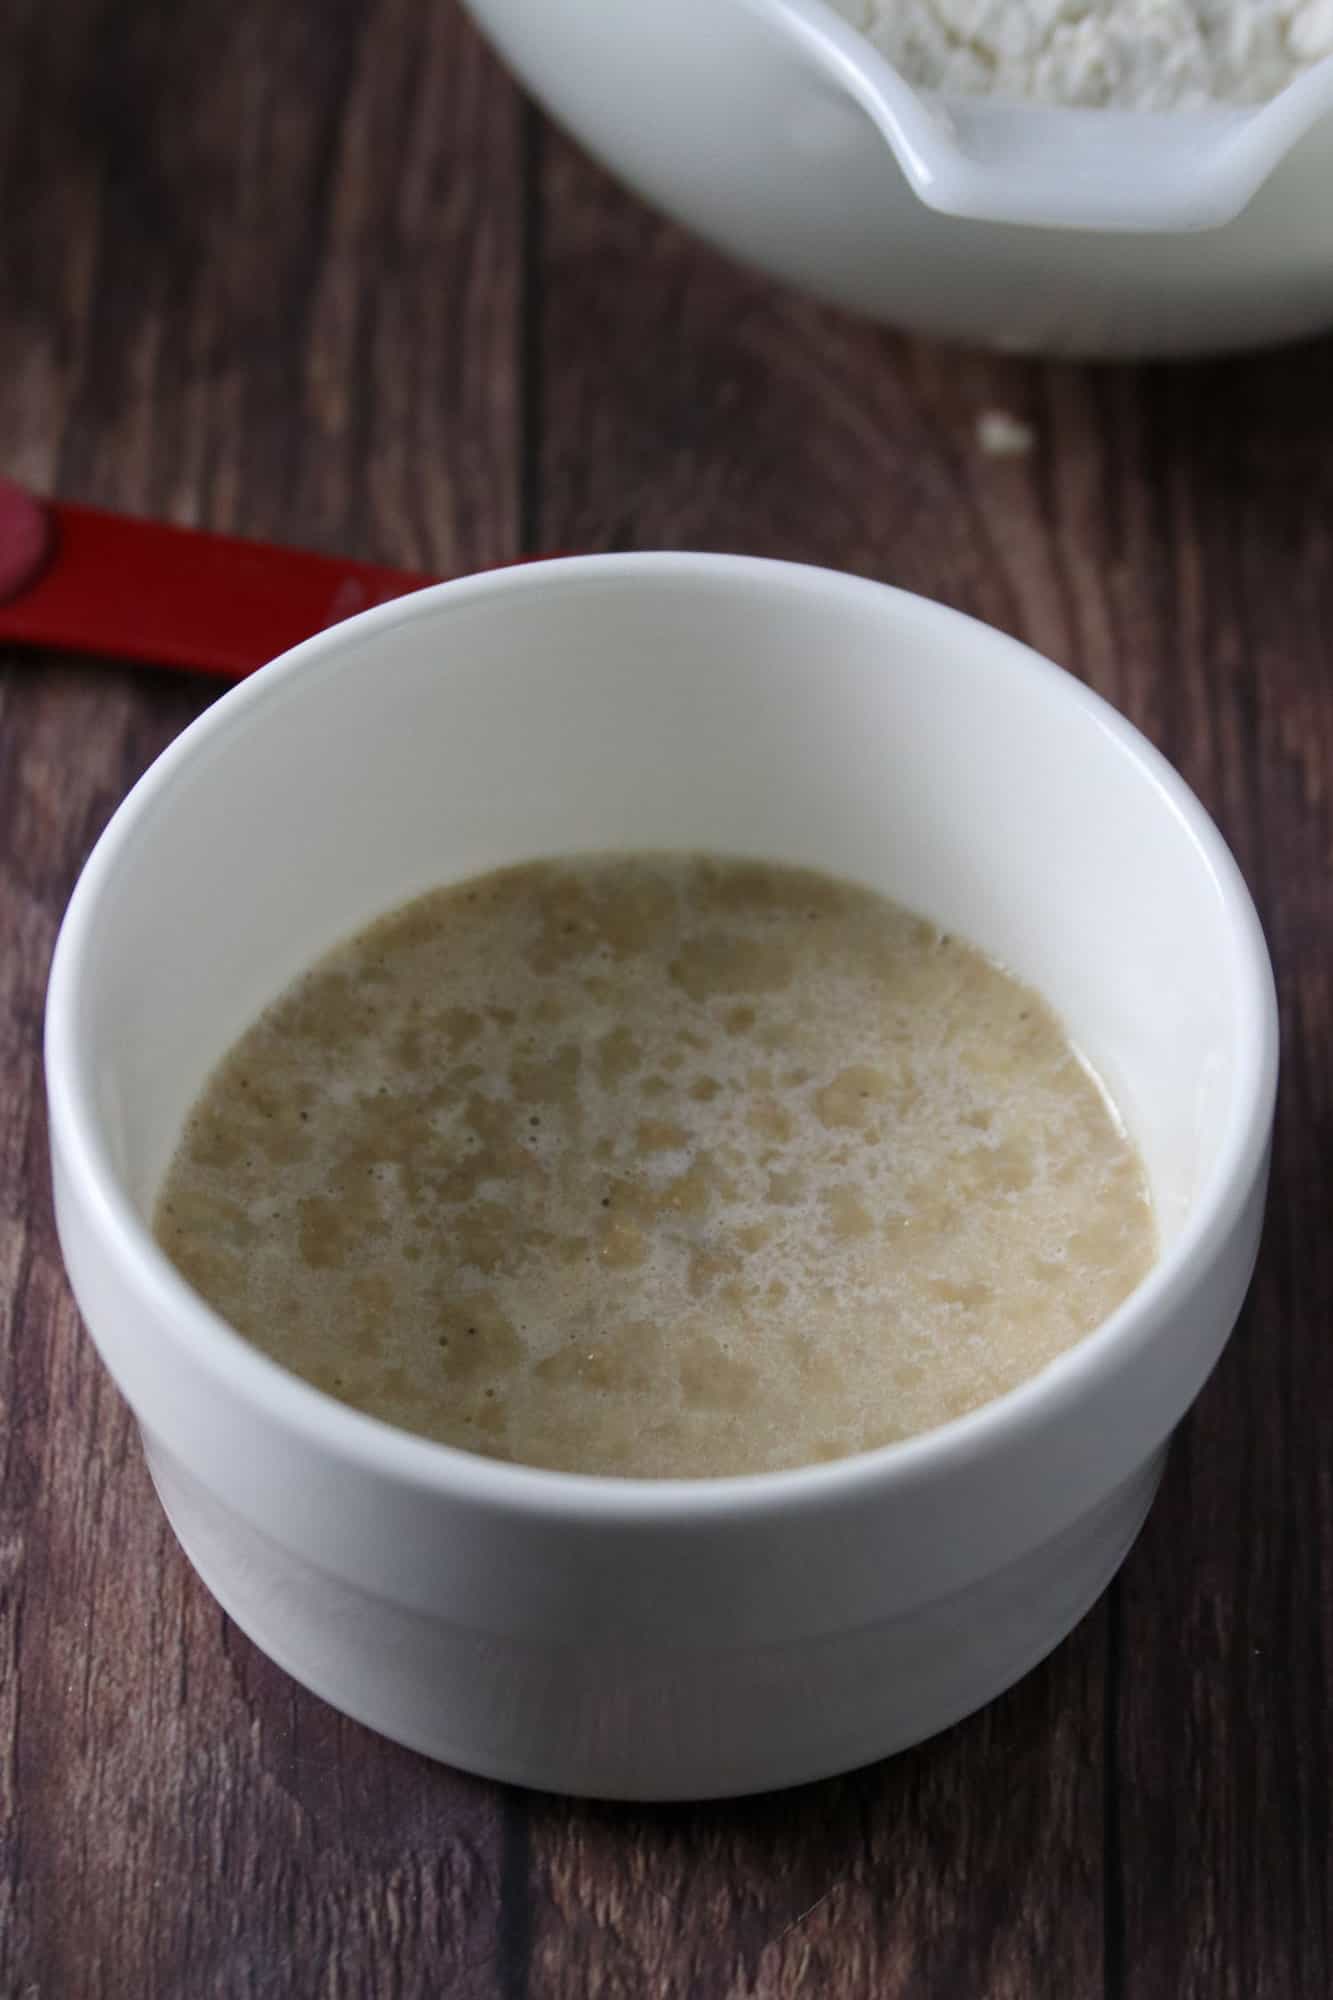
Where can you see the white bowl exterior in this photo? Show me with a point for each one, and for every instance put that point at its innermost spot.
(709, 114)
(654, 702)
(619, 1719)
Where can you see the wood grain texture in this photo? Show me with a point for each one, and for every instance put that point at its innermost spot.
(312, 272)
(259, 273)
(1226, 1614)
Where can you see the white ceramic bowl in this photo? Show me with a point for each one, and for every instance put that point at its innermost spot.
(732, 127)
(639, 1638)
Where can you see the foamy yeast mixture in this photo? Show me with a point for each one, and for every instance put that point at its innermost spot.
(658, 1166)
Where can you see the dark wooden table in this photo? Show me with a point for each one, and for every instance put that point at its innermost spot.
(313, 271)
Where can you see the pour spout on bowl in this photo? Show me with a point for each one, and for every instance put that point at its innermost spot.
(1054, 167)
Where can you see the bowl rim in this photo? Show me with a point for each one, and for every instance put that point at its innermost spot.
(381, 1449)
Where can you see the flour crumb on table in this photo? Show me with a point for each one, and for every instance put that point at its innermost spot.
(1142, 55)
(1001, 435)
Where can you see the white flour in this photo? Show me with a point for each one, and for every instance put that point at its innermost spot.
(1146, 55)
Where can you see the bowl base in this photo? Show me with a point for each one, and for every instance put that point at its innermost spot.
(632, 1723)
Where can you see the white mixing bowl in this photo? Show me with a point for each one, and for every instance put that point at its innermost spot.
(732, 127)
(640, 1638)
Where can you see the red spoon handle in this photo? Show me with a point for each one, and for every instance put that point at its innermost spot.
(134, 589)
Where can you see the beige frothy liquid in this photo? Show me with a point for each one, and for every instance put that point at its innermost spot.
(658, 1166)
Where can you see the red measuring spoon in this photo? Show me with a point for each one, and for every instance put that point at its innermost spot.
(89, 581)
